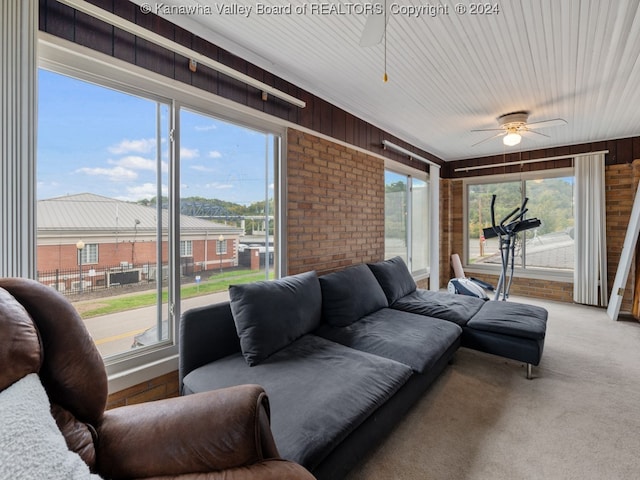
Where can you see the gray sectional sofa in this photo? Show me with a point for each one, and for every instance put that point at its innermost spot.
(342, 356)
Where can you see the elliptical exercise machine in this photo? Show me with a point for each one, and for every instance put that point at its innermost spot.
(507, 231)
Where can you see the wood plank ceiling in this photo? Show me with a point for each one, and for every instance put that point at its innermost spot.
(450, 73)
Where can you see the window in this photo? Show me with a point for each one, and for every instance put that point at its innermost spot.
(221, 247)
(407, 220)
(396, 204)
(88, 254)
(186, 248)
(172, 216)
(548, 247)
(227, 183)
(101, 154)
(419, 194)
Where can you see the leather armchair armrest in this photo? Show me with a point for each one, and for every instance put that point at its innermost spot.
(203, 432)
(271, 469)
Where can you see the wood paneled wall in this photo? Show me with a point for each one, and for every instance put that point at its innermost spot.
(621, 151)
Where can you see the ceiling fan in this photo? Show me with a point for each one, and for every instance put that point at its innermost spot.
(375, 30)
(512, 126)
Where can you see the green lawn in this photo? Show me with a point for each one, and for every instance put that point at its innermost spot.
(215, 283)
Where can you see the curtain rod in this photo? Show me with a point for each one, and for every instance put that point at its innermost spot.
(387, 144)
(522, 162)
(119, 22)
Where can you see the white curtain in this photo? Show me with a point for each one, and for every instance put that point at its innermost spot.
(434, 229)
(18, 100)
(590, 269)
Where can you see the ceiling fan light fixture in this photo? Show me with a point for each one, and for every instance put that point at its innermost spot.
(511, 139)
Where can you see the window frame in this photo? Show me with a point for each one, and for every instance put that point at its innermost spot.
(221, 247)
(84, 254)
(411, 173)
(67, 58)
(186, 248)
(533, 272)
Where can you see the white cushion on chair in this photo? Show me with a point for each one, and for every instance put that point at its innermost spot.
(31, 445)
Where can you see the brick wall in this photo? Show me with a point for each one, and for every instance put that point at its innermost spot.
(65, 256)
(445, 230)
(335, 205)
(158, 388)
(110, 254)
(621, 183)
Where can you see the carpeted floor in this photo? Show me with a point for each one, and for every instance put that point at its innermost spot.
(579, 418)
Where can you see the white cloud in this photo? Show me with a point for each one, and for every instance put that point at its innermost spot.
(201, 168)
(214, 154)
(205, 128)
(219, 186)
(143, 145)
(135, 162)
(114, 174)
(189, 153)
(146, 190)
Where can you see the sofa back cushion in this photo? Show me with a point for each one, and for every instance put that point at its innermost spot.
(394, 278)
(349, 295)
(269, 315)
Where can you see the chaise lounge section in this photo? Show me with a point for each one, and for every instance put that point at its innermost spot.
(507, 329)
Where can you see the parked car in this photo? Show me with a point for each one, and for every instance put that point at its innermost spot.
(150, 335)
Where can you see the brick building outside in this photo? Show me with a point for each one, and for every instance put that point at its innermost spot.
(88, 241)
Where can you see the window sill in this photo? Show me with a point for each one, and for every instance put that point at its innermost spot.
(421, 276)
(559, 276)
(128, 378)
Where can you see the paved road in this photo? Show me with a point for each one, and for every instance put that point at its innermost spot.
(553, 250)
(113, 333)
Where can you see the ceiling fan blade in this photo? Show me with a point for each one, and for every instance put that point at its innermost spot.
(555, 122)
(526, 131)
(501, 134)
(374, 29)
(488, 130)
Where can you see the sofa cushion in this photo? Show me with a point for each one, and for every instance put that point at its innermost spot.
(447, 306)
(269, 315)
(414, 340)
(394, 278)
(31, 446)
(350, 294)
(512, 319)
(319, 392)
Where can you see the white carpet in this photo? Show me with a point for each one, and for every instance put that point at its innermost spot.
(579, 418)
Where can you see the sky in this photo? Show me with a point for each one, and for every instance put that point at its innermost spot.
(95, 140)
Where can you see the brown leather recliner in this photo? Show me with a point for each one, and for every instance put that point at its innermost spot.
(223, 434)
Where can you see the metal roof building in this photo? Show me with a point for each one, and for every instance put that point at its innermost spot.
(90, 215)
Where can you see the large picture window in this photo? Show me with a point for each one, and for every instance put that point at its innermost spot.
(178, 204)
(548, 247)
(101, 154)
